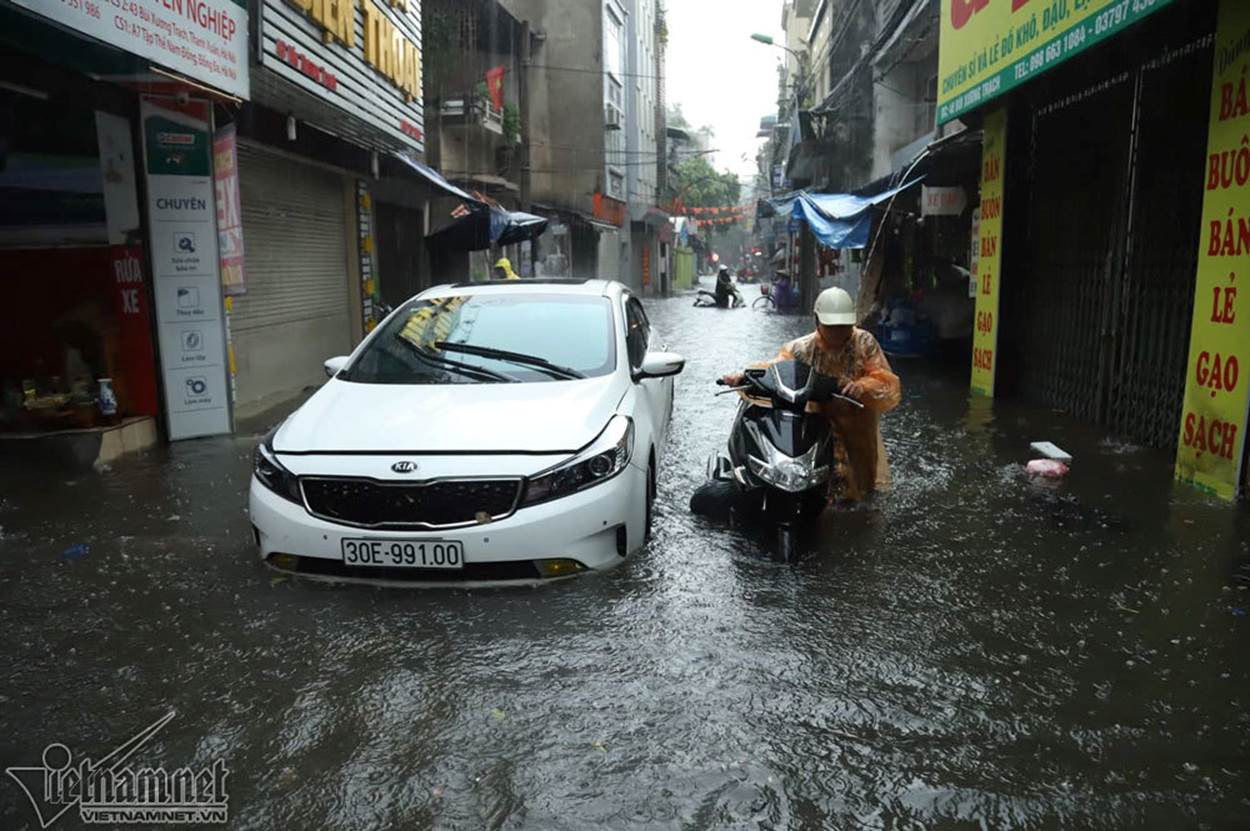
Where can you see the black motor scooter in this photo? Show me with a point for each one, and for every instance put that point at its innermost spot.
(732, 299)
(780, 457)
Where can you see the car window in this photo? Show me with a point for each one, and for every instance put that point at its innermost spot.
(566, 330)
(637, 333)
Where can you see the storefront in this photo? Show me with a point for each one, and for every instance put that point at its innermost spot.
(329, 106)
(1096, 275)
(297, 309)
(102, 244)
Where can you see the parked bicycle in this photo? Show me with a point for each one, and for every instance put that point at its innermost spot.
(778, 296)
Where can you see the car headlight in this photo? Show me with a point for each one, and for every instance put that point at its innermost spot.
(792, 475)
(602, 459)
(270, 472)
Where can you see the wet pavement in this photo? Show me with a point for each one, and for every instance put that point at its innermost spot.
(971, 651)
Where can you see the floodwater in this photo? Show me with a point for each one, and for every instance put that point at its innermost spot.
(971, 651)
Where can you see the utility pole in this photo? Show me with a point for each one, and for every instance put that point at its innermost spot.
(807, 241)
(523, 104)
(807, 266)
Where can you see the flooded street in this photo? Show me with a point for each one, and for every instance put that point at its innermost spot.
(973, 650)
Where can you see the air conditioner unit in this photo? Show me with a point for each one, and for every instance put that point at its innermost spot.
(611, 118)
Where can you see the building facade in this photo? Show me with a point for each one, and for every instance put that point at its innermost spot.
(1109, 157)
(223, 239)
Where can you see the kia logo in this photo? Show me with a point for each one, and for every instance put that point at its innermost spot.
(404, 467)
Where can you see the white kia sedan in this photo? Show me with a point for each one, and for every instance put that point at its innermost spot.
(483, 433)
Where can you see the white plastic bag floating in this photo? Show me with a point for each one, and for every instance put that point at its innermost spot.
(1047, 468)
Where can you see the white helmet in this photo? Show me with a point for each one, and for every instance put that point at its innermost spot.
(834, 307)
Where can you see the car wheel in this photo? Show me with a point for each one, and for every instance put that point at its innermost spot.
(650, 502)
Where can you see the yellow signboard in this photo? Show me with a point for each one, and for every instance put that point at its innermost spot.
(989, 252)
(1214, 419)
(989, 46)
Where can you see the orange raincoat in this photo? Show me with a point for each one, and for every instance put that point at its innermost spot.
(860, 456)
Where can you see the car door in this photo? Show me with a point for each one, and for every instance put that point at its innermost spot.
(656, 393)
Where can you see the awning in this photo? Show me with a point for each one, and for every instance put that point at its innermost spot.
(577, 217)
(965, 144)
(439, 182)
(483, 225)
(839, 220)
(520, 227)
(477, 233)
(656, 217)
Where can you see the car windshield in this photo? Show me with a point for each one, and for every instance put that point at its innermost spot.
(550, 337)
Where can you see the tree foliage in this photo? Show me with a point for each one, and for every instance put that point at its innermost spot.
(699, 185)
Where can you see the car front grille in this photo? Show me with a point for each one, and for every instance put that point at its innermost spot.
(445, 503)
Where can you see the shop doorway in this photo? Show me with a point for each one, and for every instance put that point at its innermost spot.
(400, 252)
(1103, 230)
(75, 325)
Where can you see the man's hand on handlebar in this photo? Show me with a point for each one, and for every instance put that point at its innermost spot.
(733, 379)
(854, 389)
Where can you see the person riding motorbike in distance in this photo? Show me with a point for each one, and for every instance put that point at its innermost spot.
(840, 349)
(727, 294)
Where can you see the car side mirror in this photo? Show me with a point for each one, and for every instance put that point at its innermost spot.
(661, 365)
(335, 365)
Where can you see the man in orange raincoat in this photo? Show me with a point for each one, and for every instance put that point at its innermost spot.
(840, 349)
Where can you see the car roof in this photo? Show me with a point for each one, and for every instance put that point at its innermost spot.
(584, 287)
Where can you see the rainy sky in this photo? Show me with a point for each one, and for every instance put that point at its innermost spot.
(720, 76)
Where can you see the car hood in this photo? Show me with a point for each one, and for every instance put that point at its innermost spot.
(554, 417)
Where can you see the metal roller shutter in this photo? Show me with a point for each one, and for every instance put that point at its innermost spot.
(296, 312)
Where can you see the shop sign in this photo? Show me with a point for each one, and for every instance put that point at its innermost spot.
(117, 176)
(1217, 396)
(205, 40)
(942, 201)
(987, 47)
(229, 210)
(989, 253)
(362, 56)
(974, 246)
(183, 241)
(607, 209)
(134, 325)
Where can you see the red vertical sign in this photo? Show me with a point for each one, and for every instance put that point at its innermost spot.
(229, 210)
(136, 383)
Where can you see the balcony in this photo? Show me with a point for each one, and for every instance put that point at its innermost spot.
(471, 111)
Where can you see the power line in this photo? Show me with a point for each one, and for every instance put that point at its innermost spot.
(583, 70)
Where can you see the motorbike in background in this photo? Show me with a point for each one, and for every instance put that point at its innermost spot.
(729, 300)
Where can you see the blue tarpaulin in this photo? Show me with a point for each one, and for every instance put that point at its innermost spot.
(838, 220)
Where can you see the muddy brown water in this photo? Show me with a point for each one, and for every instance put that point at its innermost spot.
(973, 650)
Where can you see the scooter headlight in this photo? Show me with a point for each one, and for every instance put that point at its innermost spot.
(794, 475)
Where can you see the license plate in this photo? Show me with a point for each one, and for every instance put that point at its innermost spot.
(403, 553)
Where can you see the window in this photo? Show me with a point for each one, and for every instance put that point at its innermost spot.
(638, 332)
(614, 98)
(613, 43)
(566, 330)
(926, 113)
